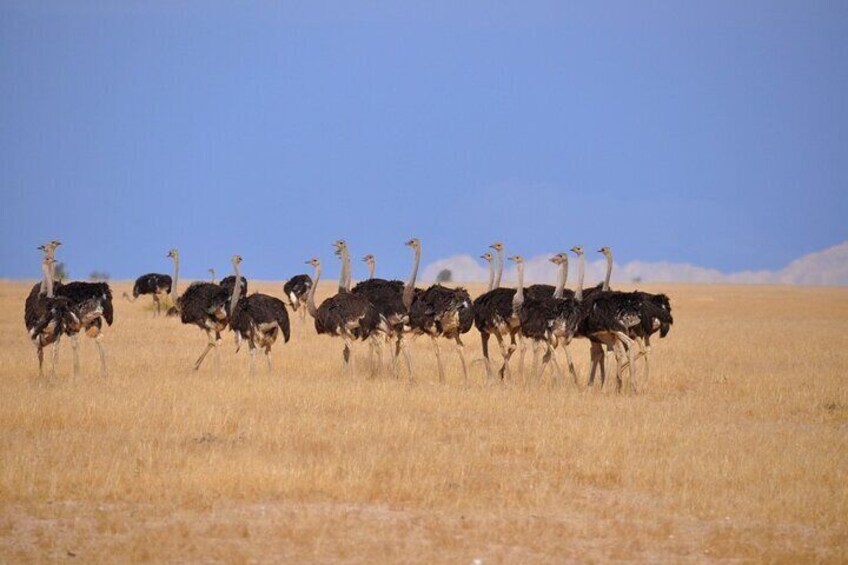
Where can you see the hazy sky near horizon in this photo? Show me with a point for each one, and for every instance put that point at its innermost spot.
(714, 133)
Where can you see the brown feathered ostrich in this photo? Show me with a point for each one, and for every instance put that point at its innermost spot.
(343, 315)
(297, 291)
(257, 318)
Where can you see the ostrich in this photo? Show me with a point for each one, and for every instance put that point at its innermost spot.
(343, 315)
(91, 302)
(392, 300)
(654, 315)
(47, 317)
(548, 320)
(259, 318)
(493, 315)
(204, 305)
(441, 312)
(607, 317)
(156, 284)
(297, 289)
(371, 261)
(229, 283)
(212, 273)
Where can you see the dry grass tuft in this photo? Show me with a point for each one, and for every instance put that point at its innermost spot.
(737, 449)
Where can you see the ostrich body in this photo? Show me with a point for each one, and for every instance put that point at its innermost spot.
(203, 305)
(345, 315)
(388, 297)
(607, 317)
(155, 284)
(441, 312)
(297, 291)
(547, 320)
(493, 315)
(47, 317)
(654, 312)
(228, 283)
(91, 302)
(257, 318)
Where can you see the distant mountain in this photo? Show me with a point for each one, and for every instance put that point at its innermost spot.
(827, 267)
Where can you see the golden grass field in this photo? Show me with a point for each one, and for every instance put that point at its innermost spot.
(736, 449)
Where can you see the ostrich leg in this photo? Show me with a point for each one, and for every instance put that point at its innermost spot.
(99, 341)
(460, 349)
(570, 364)
(484, 340)
(268, 359)
(348, 355)
(252, 365)
(629, 346)
(54, 357)
(39, 352)
(406, 356)
(438, 358)
(156, 302)
(75, 349)
(209, 347)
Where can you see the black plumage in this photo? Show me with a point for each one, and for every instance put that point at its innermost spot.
(229, 282)
(204, 305)
(493, 315)
(46, 320)
(297, 290)
(152, 283)
(259, 319)
(93, 302)
(445, 312)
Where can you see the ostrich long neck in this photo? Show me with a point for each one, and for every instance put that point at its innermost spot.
(344, 277)
(371, 265)
(563, 276)
(236, 290)
(310, 300)
(174, 293)
(609, 272)
(47, 281)
(491, 275)
(518, 299)
(581, 271)
(500, 269)
(409, 289)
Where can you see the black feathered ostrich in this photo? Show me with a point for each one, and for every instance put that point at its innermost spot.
(493, 315)
(387, 296)
(345, 315)
(47, 317)
(654, 312)
(155, 284)
(91, 302)
(204, 305)
(297, 291)
(257, 318)
(441, 312)
(607, 318)
(547, 320)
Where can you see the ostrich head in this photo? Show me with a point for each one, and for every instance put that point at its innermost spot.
(173, 254)
(487, 256)
(236, 260)
(50, 246)
(497, 246)
(577, 250)
(606, 251)
(517, 259)
(368, 259)
(340, 245)
(414, 243)
(559, 258)
(314, 262)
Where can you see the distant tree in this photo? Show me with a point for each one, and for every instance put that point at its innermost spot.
(444, 275)
(99, 276)
(60, 271)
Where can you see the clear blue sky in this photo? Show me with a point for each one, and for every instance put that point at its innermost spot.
(709, 132)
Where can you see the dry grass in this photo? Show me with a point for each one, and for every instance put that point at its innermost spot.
(737, 449)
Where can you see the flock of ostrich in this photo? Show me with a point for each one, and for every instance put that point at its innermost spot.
(377, 311)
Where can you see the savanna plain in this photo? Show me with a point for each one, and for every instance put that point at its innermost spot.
(735, 449)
